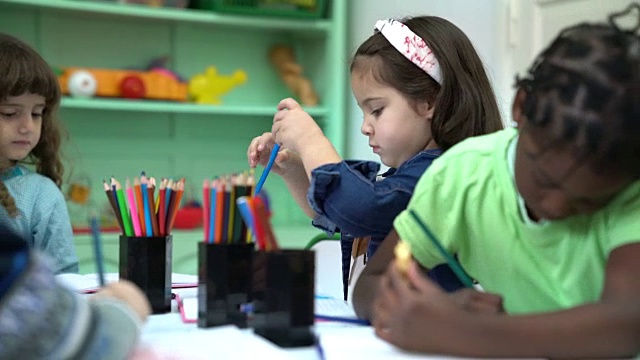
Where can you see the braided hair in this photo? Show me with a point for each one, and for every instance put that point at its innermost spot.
(6, 200)
(584, 90)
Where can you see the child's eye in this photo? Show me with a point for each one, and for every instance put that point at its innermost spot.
(377, 112)
(37, 115)
(7, 114)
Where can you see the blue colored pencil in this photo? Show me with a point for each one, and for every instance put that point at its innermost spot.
(97, 248)
(272, 159)
(453, 264)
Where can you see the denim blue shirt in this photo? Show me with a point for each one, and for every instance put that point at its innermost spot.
(348, 198)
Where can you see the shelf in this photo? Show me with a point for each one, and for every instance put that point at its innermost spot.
(174, 107)
(172, 14)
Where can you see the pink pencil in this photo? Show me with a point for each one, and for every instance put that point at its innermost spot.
(206, 200)
(134, 211)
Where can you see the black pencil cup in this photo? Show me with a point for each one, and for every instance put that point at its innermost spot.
(224, 283)
(283, 290)
(146, 261)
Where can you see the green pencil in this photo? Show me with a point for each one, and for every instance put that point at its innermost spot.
(453, 264)
(124, 211)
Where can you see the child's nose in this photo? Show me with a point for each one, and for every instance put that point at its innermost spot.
(366, 128)
(27, 124)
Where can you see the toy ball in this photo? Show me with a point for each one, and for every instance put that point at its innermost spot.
(82, 84)
(132, 87)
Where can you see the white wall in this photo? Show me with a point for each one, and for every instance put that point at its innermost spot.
(484, 21)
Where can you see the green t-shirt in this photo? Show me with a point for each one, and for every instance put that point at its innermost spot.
(469, 200)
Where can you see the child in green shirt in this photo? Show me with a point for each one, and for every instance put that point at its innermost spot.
(547, 216)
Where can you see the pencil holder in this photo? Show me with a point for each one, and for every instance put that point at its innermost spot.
(283, 292)
(146, 261)
(224, 283)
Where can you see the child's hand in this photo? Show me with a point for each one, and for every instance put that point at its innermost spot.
(128, 293)
(415, 314)
(478, 301)
(259, 152)
(293, 128)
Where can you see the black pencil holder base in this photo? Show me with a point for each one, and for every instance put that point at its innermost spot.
(224, 283)
(146, 262)
(283, 292)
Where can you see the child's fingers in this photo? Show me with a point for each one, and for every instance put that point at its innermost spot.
(288, 103)
(418, 281)
(257, 147)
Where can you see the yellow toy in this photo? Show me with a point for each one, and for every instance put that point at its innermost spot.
(208, 87)
(284, 61)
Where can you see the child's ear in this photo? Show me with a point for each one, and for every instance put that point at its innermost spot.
(518, 107)
(426, 109)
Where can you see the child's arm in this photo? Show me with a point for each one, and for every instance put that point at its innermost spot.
(40, 318)
(418, 316)
(366, 287)
(52, 230)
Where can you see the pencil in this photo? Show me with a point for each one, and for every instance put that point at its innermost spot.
(132, 208)
(151, 189)
(453, 264)
(144, 184)
(97, 248)
(162, 209)
(206, 209)
(114, 205)
(179, 190)
(261, 216)
(213, 189)
(265, 172)
(137, 190)
(126, 221)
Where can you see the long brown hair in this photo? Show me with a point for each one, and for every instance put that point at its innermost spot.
(465, 104)
(23, 70)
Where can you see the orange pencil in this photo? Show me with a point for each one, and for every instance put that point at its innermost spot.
(219, 211)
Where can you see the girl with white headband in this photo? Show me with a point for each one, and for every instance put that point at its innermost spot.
(422, 88)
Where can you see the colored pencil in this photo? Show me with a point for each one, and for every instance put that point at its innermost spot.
(151, 189)
(453, 264)
(144, 184)
(162, 209)
(126, 221)
(137, 190)
(97, 248)
(133, 209)
(112, 200)
(206, 209)
(265, 172)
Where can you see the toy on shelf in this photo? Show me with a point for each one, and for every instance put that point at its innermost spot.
(208, 87)
(133, 84)
(283, 58)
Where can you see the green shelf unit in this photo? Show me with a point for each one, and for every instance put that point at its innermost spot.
(120, 137)
(113, 9)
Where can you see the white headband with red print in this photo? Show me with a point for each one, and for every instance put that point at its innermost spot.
(411, 46)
